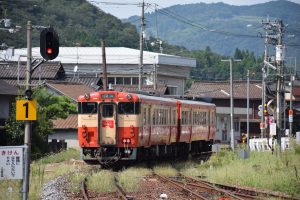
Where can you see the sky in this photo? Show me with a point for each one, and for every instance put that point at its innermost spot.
(125, 11)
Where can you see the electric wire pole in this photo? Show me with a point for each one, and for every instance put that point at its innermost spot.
(231, 102)
(104, 74)
(141, 47)
(263, 90)
(279, 82)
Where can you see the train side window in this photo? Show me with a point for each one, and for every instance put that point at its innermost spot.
(107, 111)
(144, 116)
(87, 107)
(128, 108)
(149, 116)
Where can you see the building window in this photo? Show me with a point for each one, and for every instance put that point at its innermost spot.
(135, 80)
(127, 80)
(172, 90)
(236, 125)
(119, 80)
(111, 80)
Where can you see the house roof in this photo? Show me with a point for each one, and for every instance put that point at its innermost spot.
(114, 55)
(69, 123)
(161, 89)
(7, 89)
(71, 90)
(221, 90)
(47, 70)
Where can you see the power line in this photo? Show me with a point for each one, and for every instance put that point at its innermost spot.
(185, 20)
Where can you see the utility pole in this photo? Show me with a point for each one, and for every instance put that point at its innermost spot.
(231, 102)
(27, 135)
(279, 82)
(141, 47)
(263, 90)
(155, 78)
(104, 74)
(248, 85)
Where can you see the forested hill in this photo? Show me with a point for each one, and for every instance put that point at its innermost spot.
(76, 21)
(240, 20)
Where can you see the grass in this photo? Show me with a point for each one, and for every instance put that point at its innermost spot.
(102, 181)
(165, 170)
(278, 172)
(62, 156)
(129, 179)
(10, 189)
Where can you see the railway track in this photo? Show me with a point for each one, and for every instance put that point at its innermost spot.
(233, 192)
(194, 188)
(119, 191)
(198, 190)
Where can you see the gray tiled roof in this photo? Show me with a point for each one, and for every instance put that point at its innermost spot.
(71, 90)
(47, 70)
(7, 89)
(221, 90)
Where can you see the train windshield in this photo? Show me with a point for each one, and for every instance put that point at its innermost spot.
(128, 108)
(87, 107)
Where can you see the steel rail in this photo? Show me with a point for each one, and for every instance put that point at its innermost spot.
(209, 185)
(239, 191)
(180, 186)
(120, 191)
(83, 189)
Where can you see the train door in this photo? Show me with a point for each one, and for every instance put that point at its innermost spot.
(107, 124)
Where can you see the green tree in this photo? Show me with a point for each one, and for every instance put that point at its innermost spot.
(50, 107)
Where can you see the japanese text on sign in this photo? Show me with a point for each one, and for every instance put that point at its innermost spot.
(11, 163)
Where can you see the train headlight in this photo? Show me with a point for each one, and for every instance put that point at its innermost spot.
(87, 96)
(128, 140)
(129, 96)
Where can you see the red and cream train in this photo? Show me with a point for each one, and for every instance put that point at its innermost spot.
(125, 126)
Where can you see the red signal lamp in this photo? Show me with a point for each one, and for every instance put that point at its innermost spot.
(49, 51)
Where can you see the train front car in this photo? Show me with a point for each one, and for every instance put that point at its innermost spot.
(108, 126)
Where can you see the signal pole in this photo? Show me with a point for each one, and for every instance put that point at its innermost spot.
(141, 47)
(27, 135)
(231, 102)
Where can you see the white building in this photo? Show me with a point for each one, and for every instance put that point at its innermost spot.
(122, 65)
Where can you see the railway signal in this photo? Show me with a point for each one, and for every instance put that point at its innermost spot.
(49, 44)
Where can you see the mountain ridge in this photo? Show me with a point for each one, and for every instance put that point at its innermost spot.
(240, 20)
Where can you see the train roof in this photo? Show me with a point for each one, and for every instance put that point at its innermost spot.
(197, 103)
(171, 100)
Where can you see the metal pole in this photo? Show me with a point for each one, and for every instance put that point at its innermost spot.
(155, 78)
(248, 84)
(231, 107)
(231, 103)
(104, 74)
(291, 106)
(27, 136)
(141, 48)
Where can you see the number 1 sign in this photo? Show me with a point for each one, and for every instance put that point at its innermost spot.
(26, 110)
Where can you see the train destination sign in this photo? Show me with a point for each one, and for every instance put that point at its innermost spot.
(11, 162)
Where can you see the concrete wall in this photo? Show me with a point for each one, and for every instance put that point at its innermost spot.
(70, 137)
